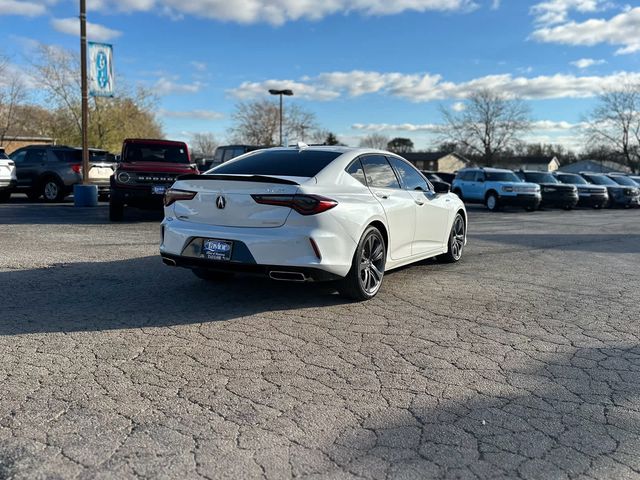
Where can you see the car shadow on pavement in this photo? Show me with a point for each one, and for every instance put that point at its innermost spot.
(547, 415)
(140, 292)
(68, 214)
(595, 243)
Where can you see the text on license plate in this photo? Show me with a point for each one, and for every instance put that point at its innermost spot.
(214, 249)
(158, 189)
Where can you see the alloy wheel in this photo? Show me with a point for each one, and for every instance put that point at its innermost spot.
(492, 202)
(51, 190)
(371, 264)
(457, 238)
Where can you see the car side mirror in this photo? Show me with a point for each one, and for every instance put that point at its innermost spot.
(442, 188)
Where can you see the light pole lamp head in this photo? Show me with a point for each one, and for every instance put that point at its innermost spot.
(286, 92)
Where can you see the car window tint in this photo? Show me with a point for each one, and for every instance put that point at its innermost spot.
(379, 173)
(36, 156)
(217, 157)
(479, 177)
(410, 178)
(466, 176)
(357, 172)
(18, 157)
(287, 163)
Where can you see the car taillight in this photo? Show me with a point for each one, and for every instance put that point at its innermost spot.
(77, 168)
(172, 196)
(303, 204)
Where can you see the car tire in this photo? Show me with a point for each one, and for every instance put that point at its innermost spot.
(103, 197)
(457, 239)
(212, 275)
(5, 196)
(367, 267)
(530, 209)
(52, 190)
(491, 201)
(116, 211)
(568, 208)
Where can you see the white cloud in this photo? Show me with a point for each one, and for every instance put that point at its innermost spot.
(193, 114)
(248, 90)
(199, 66)
(278, 12)
(587, 62)
(402, 127)
(551, 12)
(167, 86)
(71, 26)
(495, 4)
(23, 8)
(428, 87)
(458, 107)
(622, 30)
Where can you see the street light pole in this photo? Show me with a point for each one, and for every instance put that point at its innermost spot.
(85, 94)
(281, 93)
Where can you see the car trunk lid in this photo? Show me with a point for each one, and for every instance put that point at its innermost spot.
(227, 200)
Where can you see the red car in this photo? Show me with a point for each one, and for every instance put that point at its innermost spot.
(146, 170)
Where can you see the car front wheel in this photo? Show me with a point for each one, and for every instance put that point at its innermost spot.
(367, 268)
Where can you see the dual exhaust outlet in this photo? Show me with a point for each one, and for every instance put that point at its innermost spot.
(283, 276)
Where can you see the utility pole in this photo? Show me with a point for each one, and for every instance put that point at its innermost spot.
(85, 93)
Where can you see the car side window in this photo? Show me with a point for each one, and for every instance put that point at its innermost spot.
(18, 157)
(357, 172)
(479, 177)
(378, 172)
(410, 178)
(36, 156)
(466, 176)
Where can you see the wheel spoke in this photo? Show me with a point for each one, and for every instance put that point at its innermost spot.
(377, 253)
(377, 274)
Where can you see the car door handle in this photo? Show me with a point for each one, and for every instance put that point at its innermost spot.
(382, 195)
(419, 202)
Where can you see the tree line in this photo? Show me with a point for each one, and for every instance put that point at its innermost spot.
(54, 108)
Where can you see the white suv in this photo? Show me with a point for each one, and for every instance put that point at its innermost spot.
(8, 177)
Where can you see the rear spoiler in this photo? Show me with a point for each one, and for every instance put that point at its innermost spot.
(238, 178)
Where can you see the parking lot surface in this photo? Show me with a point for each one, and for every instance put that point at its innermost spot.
(521, 361)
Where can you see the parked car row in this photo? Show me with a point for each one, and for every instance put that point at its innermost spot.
(52, 171)
(498, 188)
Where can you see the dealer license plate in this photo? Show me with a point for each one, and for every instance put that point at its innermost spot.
(158, 189)
(214, 249)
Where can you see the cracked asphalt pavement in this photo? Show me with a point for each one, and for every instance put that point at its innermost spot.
(521, 361)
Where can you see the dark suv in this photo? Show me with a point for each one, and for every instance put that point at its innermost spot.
(52, 171)
(619, 195)
(554, 193)
(146, 169)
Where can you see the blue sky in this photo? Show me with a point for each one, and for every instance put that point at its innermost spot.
(362, 66)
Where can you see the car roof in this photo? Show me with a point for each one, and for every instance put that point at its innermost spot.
(486, 169)
(155, 141)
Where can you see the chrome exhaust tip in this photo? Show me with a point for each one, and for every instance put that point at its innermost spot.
(168, 262)
(287, 276)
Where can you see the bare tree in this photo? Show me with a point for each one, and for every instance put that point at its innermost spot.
(375, 140)
(615, 124)
(489, 125)
(258, 123)
(204, 144)
(12, 95)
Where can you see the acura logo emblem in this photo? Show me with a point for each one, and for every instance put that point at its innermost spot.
(221, 202)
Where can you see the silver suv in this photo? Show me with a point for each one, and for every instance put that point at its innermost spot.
(52, 171)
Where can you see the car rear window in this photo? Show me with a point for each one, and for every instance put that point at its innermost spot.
(156, 152)
(540, 177)
(287, 163)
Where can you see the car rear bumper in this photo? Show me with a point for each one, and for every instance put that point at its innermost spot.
(7, 184)
(260, 249)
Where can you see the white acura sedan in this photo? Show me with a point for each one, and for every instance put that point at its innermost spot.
(311, 214)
